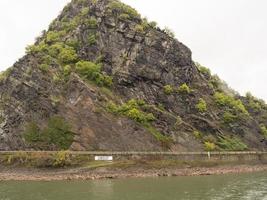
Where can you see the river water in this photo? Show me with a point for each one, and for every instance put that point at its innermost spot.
(251, 186)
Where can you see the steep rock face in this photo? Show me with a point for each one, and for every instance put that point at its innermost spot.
(143, 62)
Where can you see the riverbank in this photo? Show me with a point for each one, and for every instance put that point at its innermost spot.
(87, 173)
(67, 165)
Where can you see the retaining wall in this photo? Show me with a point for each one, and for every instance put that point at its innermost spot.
(75, 156)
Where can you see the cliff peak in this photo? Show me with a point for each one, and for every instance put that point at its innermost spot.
(104, 78)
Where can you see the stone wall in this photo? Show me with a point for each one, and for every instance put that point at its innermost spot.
(76, 158)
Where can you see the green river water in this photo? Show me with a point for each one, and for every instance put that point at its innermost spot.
(238, 186)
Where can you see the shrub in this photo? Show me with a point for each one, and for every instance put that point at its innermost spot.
(249, 95)
(91, 23)
(209, 138)
(44, 67)
(67, 71)
(198, 134)
(112, 107)
(84, 12)
(124, 16)
(107, 81)
(139, 116)
(63, 53)
(103, 80)
(215, 82)
(53, 36)
(201, 105)
(263, 130)
(92, 71)
(161, 107)
(2, 76)
(2, 119)
(57, 79)
(169, 32)
(99, 59)
(69, 24)
(209, 146)
(81, 2)
(153, 24)
(73, 43)
(132, 110)
(139, 28)
(57, 133)
(123, 8)
(179, 121)
(61, 159)
(231, 144)
(221, 86)
(5, 74)
(229, 117)
(168, 89)
(145, 24)
(32, 133)
(55, 49)
(254, 106)
(47, 59)
(165, 140)
(184, 88)
(238, 105)
(94, 2)
(203, 70)
(41, 47)
(55, 99)
(91, 39)
(67, 55)
(88, 69)
(222, 99)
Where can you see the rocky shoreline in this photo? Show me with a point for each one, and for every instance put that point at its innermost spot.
(25, 174)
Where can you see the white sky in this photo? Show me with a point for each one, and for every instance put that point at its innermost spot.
(228, 36)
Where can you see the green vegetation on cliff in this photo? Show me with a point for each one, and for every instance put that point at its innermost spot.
(263, 130)
(5, 74)
(133, 109)
(182, 89)
(57, 133)
(117, 6)
(231, 144)
(234, 109)
(201, 106)
(92, 72)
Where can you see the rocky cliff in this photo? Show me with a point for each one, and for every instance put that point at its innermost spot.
(103, 78)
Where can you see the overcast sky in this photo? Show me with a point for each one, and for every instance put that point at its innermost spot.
(228, 36)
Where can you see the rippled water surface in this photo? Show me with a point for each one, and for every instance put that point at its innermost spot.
(243, 186)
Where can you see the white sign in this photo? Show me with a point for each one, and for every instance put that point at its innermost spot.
(105, 158)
